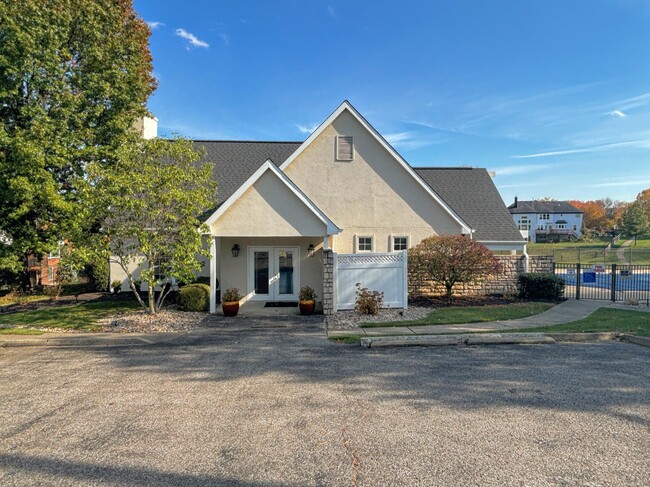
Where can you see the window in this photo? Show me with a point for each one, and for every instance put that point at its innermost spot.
(575, 227)
(50, 275)
(544, 216)
(364, 244)
(561, 226)
(524, 223)
(400, 243)
(344, 148)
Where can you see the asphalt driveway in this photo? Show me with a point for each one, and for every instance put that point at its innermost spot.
(279, 407)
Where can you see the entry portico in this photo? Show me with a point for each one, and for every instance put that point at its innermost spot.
(267, 239)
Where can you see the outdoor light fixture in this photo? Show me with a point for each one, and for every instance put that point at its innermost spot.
(310, 250)
(235, 250)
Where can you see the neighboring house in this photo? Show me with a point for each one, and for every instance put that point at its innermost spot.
(43, 271)
(547, 221)
(284, 207)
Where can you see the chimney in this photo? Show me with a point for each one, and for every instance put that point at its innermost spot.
(147, 127)
(516, 199)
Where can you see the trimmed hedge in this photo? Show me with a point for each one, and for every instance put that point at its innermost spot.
(541, 286)
(194, 297)
(98, 274)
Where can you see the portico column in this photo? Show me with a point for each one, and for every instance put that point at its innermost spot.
(213, 274)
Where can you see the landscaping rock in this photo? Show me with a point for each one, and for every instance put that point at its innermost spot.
(169, 320)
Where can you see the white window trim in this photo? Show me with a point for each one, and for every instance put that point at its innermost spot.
(356, 243)
(336, 148)
(391, 242)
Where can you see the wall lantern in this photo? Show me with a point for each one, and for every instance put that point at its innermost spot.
(235, 250)
(310, 250)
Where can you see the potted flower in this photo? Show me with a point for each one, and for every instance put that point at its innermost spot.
(230, 302)
(307, 300)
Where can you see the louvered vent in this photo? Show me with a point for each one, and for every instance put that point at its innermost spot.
(344, 148)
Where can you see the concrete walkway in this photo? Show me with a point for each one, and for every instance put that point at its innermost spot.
(620, 252)
(568, 311)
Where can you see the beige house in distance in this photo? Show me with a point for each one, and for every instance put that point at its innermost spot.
(286, 208)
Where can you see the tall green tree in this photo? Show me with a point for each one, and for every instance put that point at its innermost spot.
(152, 201)
(74, 76)
(634, 220)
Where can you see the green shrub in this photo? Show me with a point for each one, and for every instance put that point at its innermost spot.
(368, 302)
(231, 295)
(541, 286)
(98, 275)
(203, 280)
(76, 289)
(194, 297)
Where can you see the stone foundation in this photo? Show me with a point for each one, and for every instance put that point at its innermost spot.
(503, 283)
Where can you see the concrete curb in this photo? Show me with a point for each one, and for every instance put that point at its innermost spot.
(87, 340)
(637, 340)
(461, 339)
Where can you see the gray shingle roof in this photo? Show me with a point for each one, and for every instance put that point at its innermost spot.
(473, 195)
(543, 207)
(470, 192)
(236, 161)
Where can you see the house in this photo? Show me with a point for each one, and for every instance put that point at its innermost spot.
(547, 221)
(286, 209)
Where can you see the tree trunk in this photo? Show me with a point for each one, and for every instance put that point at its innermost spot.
(151, 294)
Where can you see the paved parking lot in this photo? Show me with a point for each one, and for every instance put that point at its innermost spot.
(284, 407)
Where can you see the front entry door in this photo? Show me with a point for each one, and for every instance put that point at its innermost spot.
(273, 273)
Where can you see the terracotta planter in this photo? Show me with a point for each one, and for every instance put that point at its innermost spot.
(231, 308)
(307, 307)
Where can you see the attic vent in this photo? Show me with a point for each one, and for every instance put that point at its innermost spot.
(344, 148)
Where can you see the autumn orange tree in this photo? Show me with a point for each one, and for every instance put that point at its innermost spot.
(449, 260)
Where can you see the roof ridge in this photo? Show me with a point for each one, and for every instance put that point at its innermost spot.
(249, 141)
(446, 167)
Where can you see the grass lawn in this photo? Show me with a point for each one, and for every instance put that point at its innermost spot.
(74, 317)
(602, 320)
(472, 314)
(9, 299)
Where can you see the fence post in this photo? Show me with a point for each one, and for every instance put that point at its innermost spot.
(579, 252)
(578, 271)
(613, 296)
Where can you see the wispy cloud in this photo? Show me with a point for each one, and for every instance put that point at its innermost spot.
(306, 129)
(225, 38)
(191, 38)
(614, 184)
(332, 12)
(153, 24)
(521, 169)
(618, 114)
(643, 143)
(412, 140)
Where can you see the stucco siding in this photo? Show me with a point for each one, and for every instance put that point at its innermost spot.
(233, 271)
(371, 195)
(268, 208)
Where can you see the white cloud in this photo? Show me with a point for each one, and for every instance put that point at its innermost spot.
(621, 183)
(635, 144)
(191, 38)
(153, 24)
(618, 113)
(521, 169)
(306, 129)
(225, 38)
(332, 12)
(398, 137)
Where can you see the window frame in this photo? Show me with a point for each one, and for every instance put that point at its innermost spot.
(393, 238)
(357, 246)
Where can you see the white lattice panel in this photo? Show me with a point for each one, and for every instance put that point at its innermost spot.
(378, 272)
(361, 259)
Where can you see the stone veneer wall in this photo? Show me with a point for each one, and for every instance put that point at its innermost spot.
(328, 282)
(503, 283)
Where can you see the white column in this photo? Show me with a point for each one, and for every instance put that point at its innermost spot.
(213, 275)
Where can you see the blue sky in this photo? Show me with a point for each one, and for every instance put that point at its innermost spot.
(554, 96)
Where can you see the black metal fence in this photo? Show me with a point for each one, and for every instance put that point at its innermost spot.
(613, 282)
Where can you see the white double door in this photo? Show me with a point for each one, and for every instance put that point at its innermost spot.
(273, 273)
